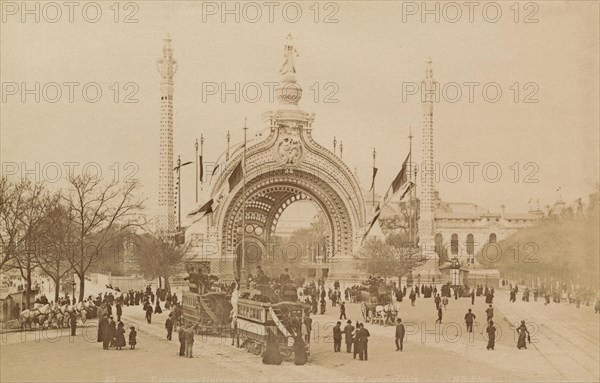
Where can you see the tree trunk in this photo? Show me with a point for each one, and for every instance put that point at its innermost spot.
(81, 288)
(28, 289)
(56, 288)
(159, 282)
(167, 284)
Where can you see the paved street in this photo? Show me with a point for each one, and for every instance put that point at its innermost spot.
(442, 353)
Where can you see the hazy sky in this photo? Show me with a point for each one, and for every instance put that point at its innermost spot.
(369, 55)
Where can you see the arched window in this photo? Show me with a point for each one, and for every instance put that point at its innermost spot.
(492, 238)
(470, 244)
(454, 244)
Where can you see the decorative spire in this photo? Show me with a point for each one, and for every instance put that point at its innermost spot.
(167, 65)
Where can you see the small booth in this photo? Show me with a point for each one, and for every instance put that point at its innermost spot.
(453, 272)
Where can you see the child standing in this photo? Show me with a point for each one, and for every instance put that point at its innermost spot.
(132, 337)
(120, 337)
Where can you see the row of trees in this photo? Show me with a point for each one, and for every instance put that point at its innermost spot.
(71, 230)
(396, 257)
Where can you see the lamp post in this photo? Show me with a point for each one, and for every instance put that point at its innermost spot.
(374, 155)
(178, 169)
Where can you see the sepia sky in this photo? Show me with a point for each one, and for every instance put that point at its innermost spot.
(368, 54)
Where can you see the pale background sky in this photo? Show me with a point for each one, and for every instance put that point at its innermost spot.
(369, 53)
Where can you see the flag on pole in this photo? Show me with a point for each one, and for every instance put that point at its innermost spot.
(206, 209)
(400, 182)
(373, 180)
(201, 168)
(213, 173)
(372, 221)
(236, 176)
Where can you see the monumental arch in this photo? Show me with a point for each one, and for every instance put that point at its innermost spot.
(282, 166)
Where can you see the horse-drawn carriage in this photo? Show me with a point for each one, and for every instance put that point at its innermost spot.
(377, 304)
(264, 315)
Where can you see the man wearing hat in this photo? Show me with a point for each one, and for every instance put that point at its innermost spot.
(348, 330)
(400, 333)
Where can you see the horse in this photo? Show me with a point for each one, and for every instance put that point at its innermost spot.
(390, 313)
(60, 313)
(36, 314)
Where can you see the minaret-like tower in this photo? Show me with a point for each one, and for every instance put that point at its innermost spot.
(426, 220)
(167, 66)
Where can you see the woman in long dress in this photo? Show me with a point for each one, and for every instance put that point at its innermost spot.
(272, 354)
(120, 338)
(523, 333)
(300, 357)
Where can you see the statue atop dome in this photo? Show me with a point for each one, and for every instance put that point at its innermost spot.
(288, 68)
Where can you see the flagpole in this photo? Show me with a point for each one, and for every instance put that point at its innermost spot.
(410, 215)
(374, 155)
(197, 164)
(201, 155)
(243, 271)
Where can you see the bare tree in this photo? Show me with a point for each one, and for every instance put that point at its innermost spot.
(12, 203)
(57, 243)
(100, 214)
(25, 213)
(160, 257)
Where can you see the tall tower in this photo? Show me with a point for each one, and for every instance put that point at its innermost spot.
(426, 216)
(167, 66)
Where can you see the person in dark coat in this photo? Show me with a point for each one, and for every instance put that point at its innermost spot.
(523, 335)
(189, 341)
(337, 337)
(157, 309)
(363, 341)
(473, 297)
(440, 313)
(181, 335)
(490, 313)
(101, 326)
(73, 322)
(348, 330)
(400, 333)
(119, 311)
(491, 332)
(469, 318)
(108, 333)
(314, 305)
(149, 313)
(342, 311)
(120, 336)
(322, 306)
(300, 358)
(132, 337)
(169, 326)
(113, 331)
(272, 354)
(308, 325)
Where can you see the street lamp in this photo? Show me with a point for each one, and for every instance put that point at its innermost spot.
(178, 170)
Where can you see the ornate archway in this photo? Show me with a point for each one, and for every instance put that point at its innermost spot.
(284, 167)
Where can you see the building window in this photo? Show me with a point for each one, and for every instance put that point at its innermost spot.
(454, 244)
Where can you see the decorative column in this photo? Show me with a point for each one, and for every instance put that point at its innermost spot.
(426, 217)
(167, 66)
